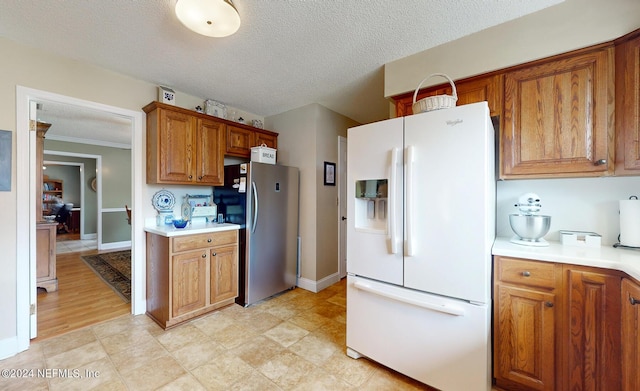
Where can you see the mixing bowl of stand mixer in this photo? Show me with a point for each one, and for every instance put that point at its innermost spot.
(529, 226)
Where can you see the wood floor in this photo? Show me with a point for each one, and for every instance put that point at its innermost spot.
(82, 299)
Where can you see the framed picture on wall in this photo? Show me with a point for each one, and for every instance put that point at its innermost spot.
(329, 174)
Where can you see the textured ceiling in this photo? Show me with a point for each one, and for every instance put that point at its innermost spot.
(285, 55)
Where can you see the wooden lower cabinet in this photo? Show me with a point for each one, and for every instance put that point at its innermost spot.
(557, 326)
(188, 283)
(630, 301)
(46, 256)
(592, 330)
(224, 273)
(527, 305)
(526, 321)
(191, 275)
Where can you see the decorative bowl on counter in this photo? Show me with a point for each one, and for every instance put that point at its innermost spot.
(530, 227)
(180, 223)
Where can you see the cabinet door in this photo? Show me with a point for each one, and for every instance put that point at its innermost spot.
(45, 252)
(558, 118)
(210, 152)
(239, 141)
(628, 107)
(269, 140)
(175, 147)
(188, 283)
(593, 331)
(630, 335)
(524, 340)
(224, 273)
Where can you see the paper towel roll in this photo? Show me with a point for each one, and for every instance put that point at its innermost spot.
(630, 223)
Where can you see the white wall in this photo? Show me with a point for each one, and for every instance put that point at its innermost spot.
(570, 25)
(296, 147)
(308, 138)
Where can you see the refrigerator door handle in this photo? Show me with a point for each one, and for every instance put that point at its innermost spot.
(391, 216)
(255, 207)
(409, 202)
(447, 309)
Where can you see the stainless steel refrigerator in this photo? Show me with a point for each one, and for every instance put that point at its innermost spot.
(263, 199)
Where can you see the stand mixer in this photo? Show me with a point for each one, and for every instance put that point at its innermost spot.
(528, 226)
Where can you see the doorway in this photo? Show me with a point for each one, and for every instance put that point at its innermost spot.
(26, 99)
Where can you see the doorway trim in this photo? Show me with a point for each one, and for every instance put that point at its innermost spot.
(98, 175)
(25, 189)
(82, 195)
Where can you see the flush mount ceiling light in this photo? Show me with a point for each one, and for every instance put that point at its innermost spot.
(213, 18)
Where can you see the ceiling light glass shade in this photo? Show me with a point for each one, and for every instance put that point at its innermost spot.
(213, 18)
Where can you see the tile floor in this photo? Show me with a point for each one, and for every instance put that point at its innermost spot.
(294, 341)
(71, 246)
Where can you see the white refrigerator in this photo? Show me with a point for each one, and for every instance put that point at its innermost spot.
(421, 223)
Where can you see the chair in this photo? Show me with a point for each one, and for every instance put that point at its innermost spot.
(62, 217)
(126, 208)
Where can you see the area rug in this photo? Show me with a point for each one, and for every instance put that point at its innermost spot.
(114, 268)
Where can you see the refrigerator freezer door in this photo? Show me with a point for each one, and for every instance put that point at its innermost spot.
(450, 202)
(272, 231)
(374, 225)
(439, 341)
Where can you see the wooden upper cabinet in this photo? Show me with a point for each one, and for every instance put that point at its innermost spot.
(264, 137)
(628, 104)
(486, 88)
(183, 147)
(210, 137)
(175, 140)
(239, 141)
(558, 117)
(241, 138)
(630, 335)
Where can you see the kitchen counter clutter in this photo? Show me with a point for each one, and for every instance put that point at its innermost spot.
(607, 257)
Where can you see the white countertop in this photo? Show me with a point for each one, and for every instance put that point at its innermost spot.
(606, 256)
(199, 228)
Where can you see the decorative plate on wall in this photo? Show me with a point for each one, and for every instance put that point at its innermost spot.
(163, 200)
(94, 184)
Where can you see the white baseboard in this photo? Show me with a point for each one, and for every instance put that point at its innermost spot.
(115, 245)
(88, 236)
(9, 347)
(317, 286)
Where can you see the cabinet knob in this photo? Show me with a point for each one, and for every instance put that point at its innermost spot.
(204, 255)
(600, 162)
(548, 304)
(200, 178)
(526, 273)
(209, 240)
(190, 176)
(214, 254)
(633, 300)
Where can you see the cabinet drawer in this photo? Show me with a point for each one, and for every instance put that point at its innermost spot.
(525, 272)
(192, 242)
